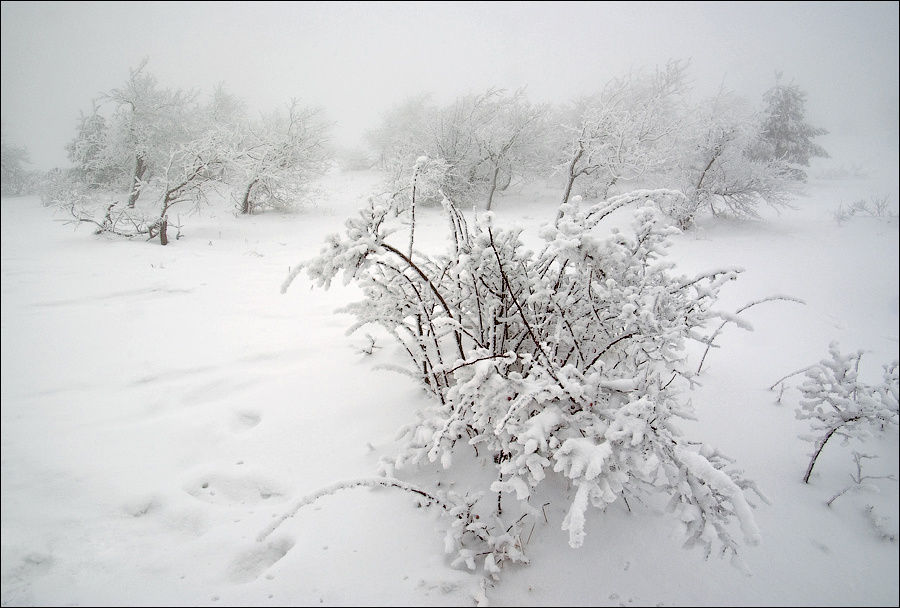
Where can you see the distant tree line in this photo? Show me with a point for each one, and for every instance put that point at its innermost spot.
(637, 130)
(144, 149)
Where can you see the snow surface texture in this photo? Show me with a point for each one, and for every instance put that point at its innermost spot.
(164, 407)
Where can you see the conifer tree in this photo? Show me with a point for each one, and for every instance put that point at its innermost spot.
(784, 133)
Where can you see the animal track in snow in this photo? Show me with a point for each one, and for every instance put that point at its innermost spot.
(213, 390)
(141, 507)
(219, 488)
(250, 564)
(244, 421)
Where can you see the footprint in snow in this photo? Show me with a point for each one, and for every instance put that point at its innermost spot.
(244, 421)
(249, 565)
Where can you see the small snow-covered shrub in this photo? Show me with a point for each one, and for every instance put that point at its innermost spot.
(861, 482)
(837, 403)
(60, 189)
(553, 368)
(876, 206)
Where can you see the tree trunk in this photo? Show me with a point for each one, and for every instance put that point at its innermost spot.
(571, 180)
(246, 207)
(609, 184)
(490, 198)
(716, 151)
(163, 225)
(412, 215)
(140, 167)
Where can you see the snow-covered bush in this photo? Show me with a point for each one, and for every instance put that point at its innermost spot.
(837, 403)
(560, 365)
(861, 483)
(58, 188)
(875, 206)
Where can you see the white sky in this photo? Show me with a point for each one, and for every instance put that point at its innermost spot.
(357, 59)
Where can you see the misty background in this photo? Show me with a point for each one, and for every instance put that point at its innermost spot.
(356, 60)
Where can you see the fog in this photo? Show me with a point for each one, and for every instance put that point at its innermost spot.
(355, 60)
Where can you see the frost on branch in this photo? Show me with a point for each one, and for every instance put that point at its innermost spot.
(837, 403)
(558, 364)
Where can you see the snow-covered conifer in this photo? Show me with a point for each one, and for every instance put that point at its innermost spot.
(784, 133)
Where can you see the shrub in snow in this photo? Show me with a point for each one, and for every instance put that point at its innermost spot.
(876, 206)
(861, 482)
(557, 365)
(837, 403)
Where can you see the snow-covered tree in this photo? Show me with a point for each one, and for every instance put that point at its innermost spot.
(485, 141)
(163, 142)
(565, 363)
(147, 123)
(509, 142)
(15, 177)
(623, 132)
(224, 109)
(784, 134)
(94, 163)
(192, 168)
(716, 167)
(401, 135)
(278, 156)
